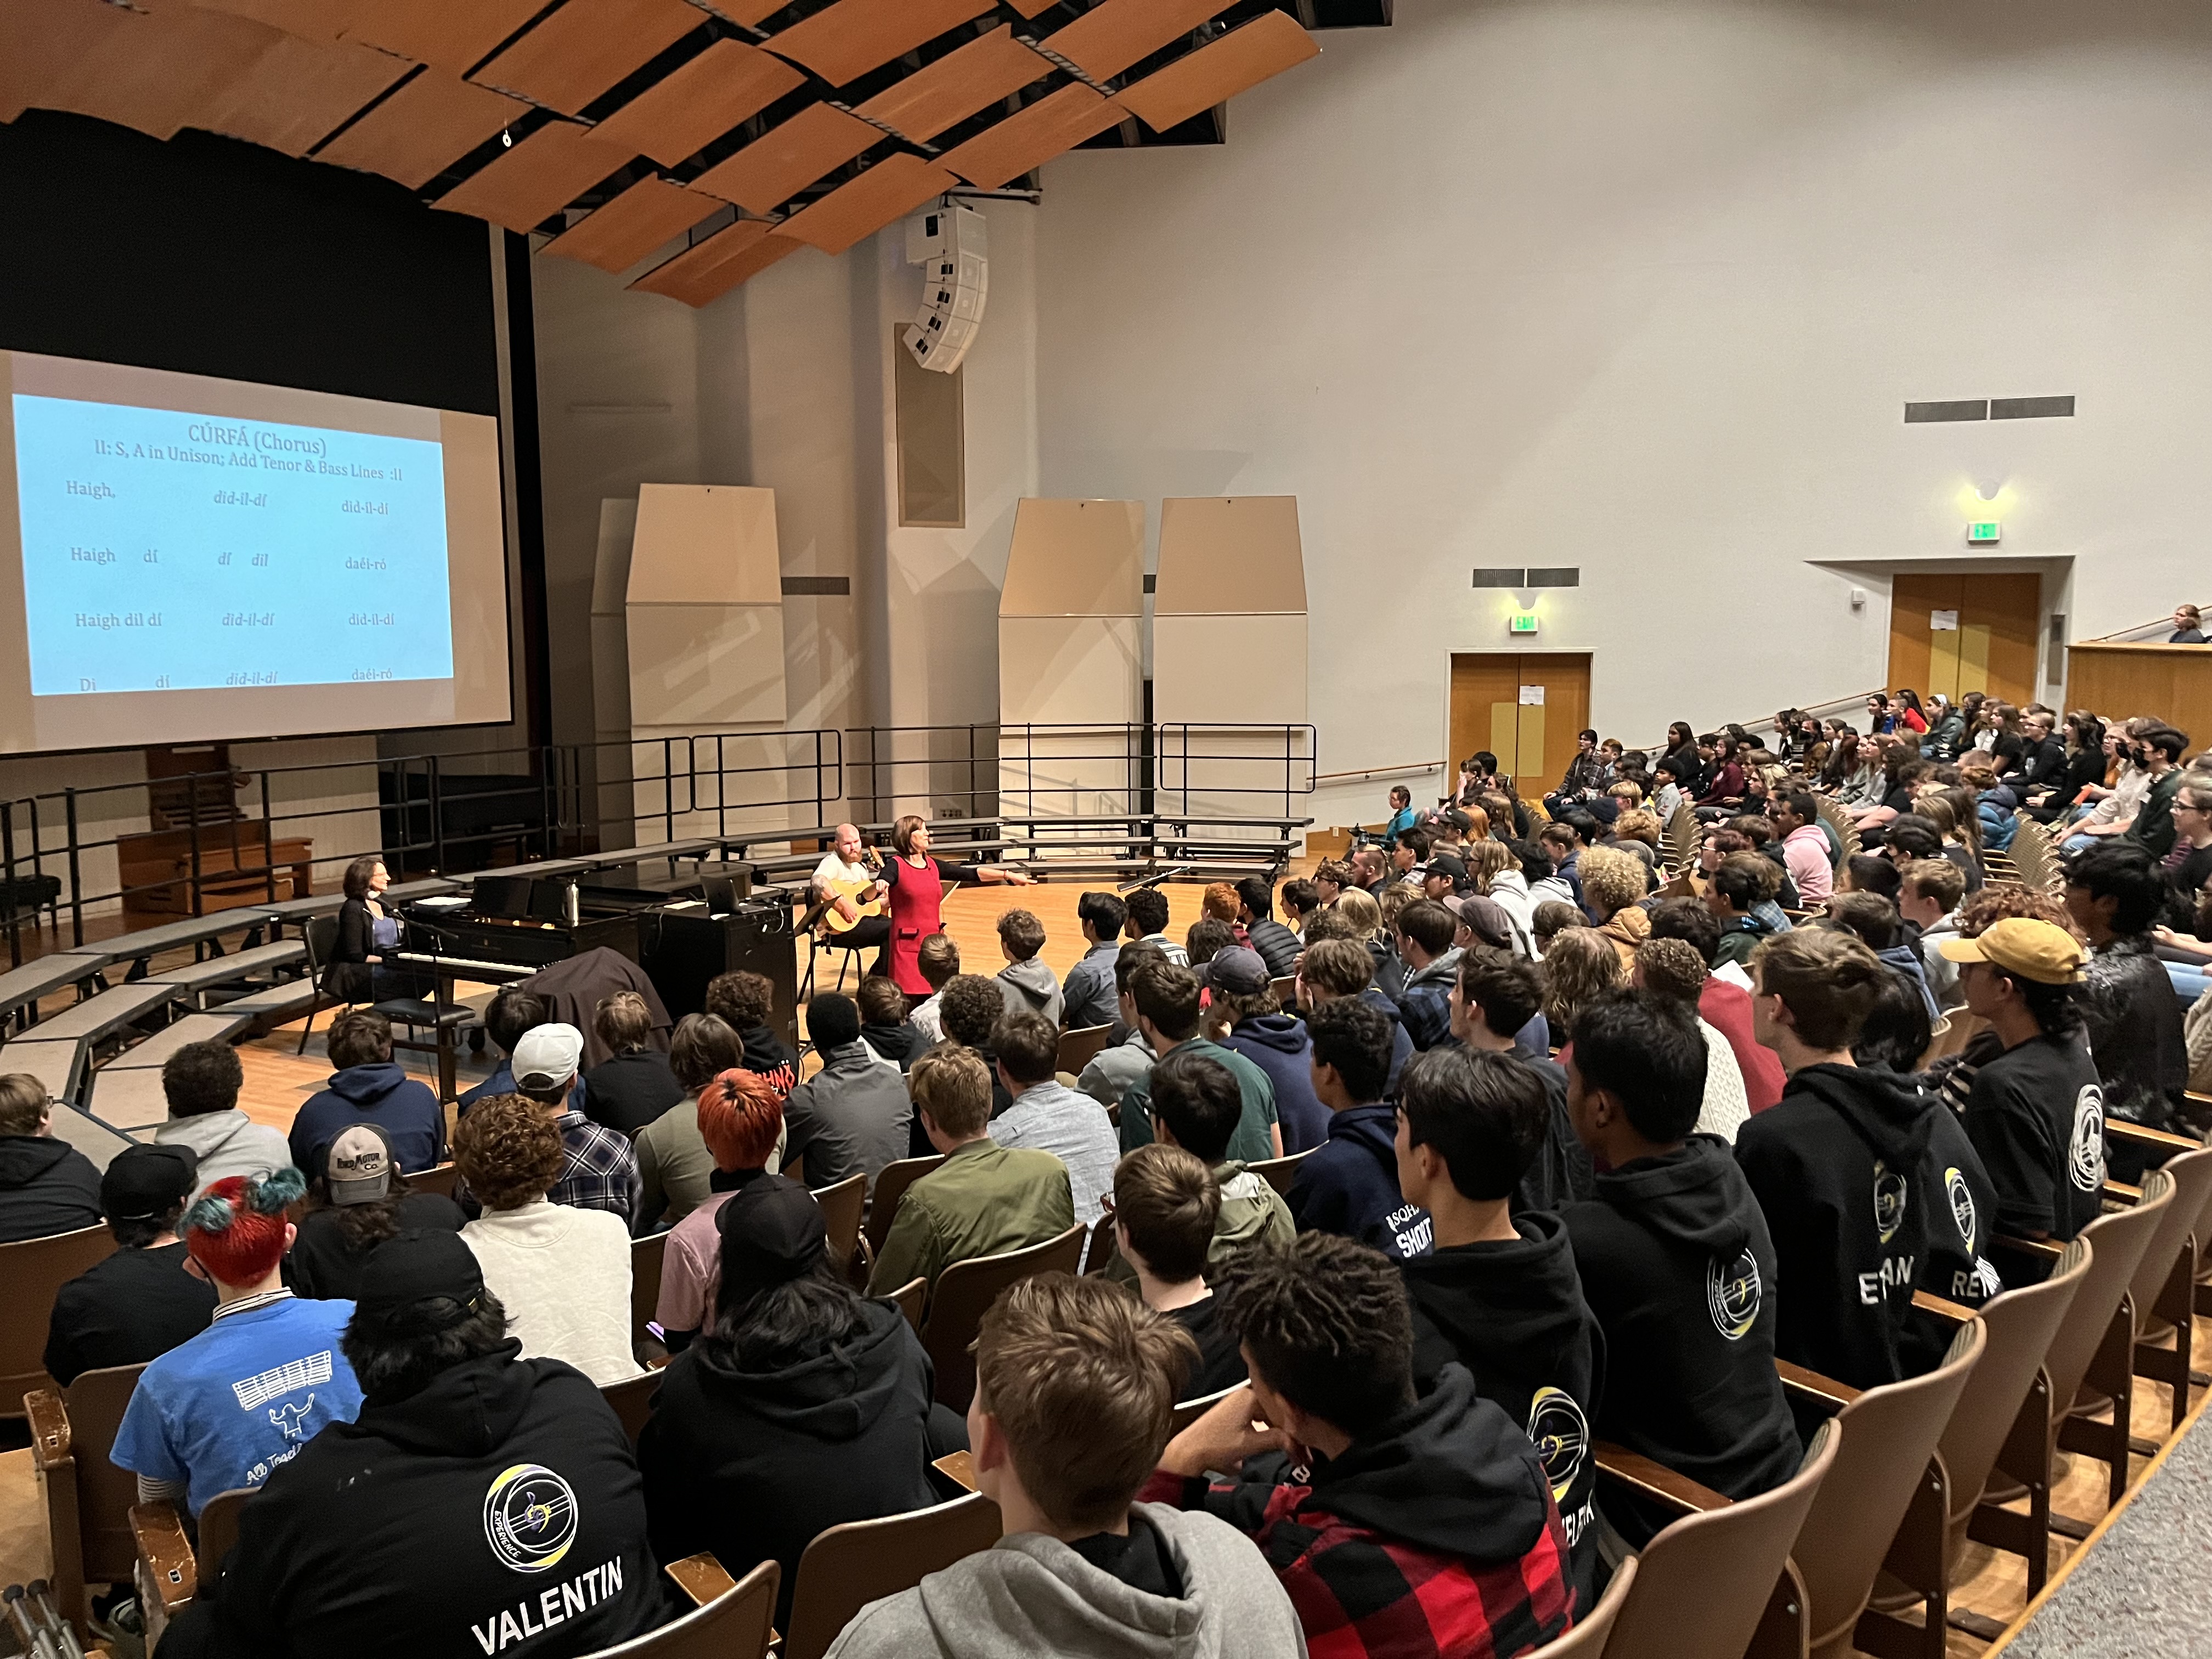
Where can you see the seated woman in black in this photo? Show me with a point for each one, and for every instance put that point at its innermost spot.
(803, 1408)
(355, 1200)
(361, 967)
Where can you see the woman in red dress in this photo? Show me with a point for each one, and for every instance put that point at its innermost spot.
(918, 883)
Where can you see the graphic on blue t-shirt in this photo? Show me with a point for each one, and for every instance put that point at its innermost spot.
(236, 1403)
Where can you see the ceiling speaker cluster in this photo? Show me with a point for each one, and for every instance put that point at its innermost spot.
(952, 244)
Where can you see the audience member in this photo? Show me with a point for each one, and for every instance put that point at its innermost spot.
(367, 1087)
(738, 1117)
(47, 1185)
(1676, 1264)
(1580, 966)
(2130, 1019)
(139, 1303)
(2188, 626)
(1148, 924)
(1278, 946)
(1870, 1188)
(1245, 1018)
(1722, 1004)
(1497, 991)
(1897, 1030)
(200, 1083)
(1049, 1115)
(1797, 820)
(599, 1170)
(1550, 919)
(969, 1015)
(805, 1403)
(563, 1273)
(1928, 898)
(1301, 900)
(1672, 968)
(242, 1398)
(1402, 816)
(2035, 1111)
(1333, 967)
(984, 1198)
(1028, 985)
(1206, 937)
(851, 1117)
(2159, 752)
(634, 1085)
(1074, 1387)
(1424, 933)
(1880, 926)
(1166, 1203)
(1091, 981)
(938, 959)
(746, 1002)
(1612, 883)
(1167, 1006)
(673, 1163)
(477, 1489)
(1742, 883)
(1499, 1293)
(1108, 1073)
(355, 1200)
(883, 1023)
(511, 1012)
(1405, 1524)
(1350, 1183)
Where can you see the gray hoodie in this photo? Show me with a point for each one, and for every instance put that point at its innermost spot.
(1029, 1595)
(227, 1144)
(1030, 988)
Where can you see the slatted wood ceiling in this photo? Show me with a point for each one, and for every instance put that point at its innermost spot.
(620, 128)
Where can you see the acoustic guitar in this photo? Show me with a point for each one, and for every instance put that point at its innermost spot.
(832, 921)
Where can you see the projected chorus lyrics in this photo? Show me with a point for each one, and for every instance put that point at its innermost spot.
(167, 551)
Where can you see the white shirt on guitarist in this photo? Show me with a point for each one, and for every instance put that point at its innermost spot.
(834, 875)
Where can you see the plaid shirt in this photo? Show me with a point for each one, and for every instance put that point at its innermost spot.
(1360, 1594)
(601, 1173)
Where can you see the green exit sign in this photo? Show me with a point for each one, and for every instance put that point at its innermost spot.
(1984, 533)
(1524, 621)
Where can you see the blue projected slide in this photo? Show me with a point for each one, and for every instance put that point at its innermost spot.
(164, 550)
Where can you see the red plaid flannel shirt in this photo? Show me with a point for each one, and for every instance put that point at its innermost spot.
(1362, 1595)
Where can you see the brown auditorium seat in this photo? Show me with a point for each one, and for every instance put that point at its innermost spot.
(2008, 1386)
(645, 1258)
(847, 1567)
(2162, 1288)
(891, 1182)
(911, 1298)
(841, 1205)
(1890, 1435)
(33, 1271)
(88, 1499)
(1280, 1172)
(2117, 1242)
(965, 1292)
(1079, 1048)
(168, 1568)
(440, 1178)
(1099, 1254)
(632, 1399)
(1593, 1629)
(731, 1618)
(1709, 1582)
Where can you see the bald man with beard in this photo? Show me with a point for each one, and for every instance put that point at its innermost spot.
(842, 866)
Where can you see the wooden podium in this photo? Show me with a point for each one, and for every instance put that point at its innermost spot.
(2116, 680)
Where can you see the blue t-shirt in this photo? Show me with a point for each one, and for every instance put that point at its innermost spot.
(241, 1399)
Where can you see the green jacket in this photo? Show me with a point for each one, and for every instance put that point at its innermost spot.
(1249, 1145)
(1252, 1213)
(2152, 829)
(984, 1199)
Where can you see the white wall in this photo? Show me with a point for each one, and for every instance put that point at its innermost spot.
(1642, 287)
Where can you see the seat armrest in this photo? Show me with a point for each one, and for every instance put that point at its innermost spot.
(168, 1572)
(1952, 1311)
(702, 1577)
(49, 1428)
(1656, 1480)
(2120, 1192)
(2040, 1249)
(959, 1467)
(1813, 1387)
(2118, 1128)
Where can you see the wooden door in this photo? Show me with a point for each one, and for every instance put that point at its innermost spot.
(1534, 739)
(1988, 640)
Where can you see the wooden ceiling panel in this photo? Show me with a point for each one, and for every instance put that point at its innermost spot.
(896, 185)
(1106, 41)
(846, 40)
(700, 101)
(617, 236)
(156, 72)
(311, 20)
(1218, 70)
(1052, 125)
(577, 52)
(38, 50)
(298, 92)
(453, 34)
(949, 90)
(749, 13)
(707, 270)
(778, 165)
(523, 186)
(423, 129)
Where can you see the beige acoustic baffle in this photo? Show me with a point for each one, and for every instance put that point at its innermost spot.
(1229, 655)
(704, 625)
(1071, 656)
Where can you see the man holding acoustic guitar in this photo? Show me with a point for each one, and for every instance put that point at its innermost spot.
(850, 883)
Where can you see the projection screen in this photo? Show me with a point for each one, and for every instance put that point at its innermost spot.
(192, 559)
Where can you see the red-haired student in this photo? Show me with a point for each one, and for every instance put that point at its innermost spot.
(739, 1116)
(239, 1400)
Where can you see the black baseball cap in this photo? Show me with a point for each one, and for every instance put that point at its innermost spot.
(145, 1183)
(772, 1231)
(1452, 869)
(427, 1276)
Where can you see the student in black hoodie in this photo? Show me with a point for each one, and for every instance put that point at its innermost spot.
(1675, 1262)
(137, 1304)
(47, 1185)
(883, 1022)
(1499, 1293)
(804, 1407)
(1871, 1188)
(1493, 999)
(1349, 1184)
(1165, 1204)
(746, 1002)
(479, 1503)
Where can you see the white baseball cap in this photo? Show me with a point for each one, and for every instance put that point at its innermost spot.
(547, 1056)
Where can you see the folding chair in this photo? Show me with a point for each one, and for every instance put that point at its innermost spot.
(965, 1292)
(847, 1567)
(2159, 1291)
(35, 1270)
(441, 1179)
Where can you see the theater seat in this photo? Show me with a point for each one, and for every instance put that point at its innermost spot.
(847, 1567)
(88, 1499)
(965, 1292)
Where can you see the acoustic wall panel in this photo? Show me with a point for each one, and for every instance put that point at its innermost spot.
(1230, 671)
(988, 68)
(1076, 558)
(1231, 556)
(1072, 670)
(697, 667)
(705, 544)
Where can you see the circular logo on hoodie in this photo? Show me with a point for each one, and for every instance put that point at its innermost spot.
(1562, 1434)
(1889, 1196)
(1962, 1206)
(2085, 1150)
(1732, 1293)
(530, 1517)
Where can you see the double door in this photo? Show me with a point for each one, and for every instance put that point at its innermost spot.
(1525, 708)
(1972, 631)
